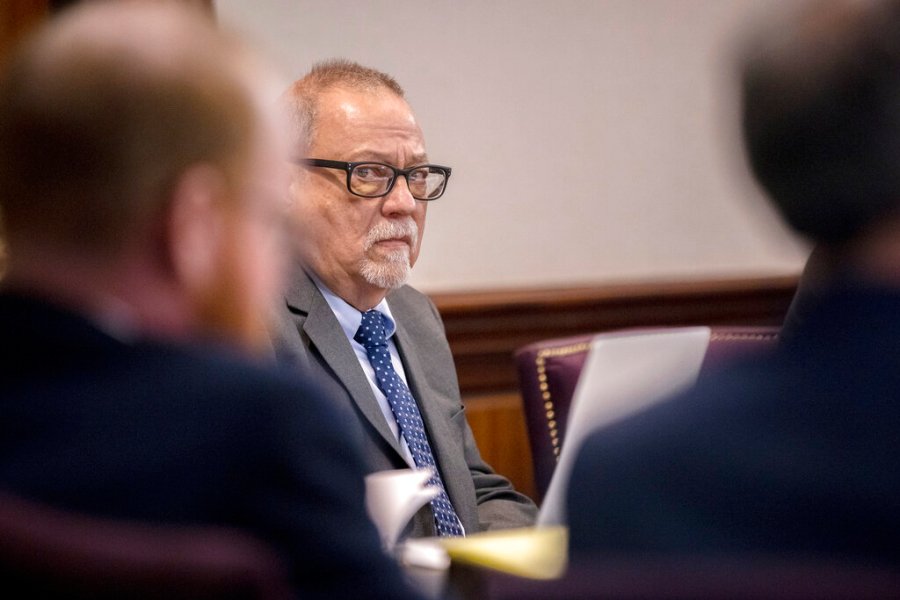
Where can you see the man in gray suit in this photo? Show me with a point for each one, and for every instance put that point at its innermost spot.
(359, 194)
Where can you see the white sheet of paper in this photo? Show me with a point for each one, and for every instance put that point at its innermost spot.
(623, 374)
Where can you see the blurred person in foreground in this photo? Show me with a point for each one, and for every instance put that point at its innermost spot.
(141, 183)
(796, 452)
(361, 186)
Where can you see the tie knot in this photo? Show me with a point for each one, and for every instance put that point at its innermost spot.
(371, 330)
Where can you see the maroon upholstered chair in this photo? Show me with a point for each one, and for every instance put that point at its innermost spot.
(46, 552)
(548, 372)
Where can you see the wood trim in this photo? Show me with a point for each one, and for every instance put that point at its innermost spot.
(485, 328)
(17, 17)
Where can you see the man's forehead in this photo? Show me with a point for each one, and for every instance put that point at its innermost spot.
(356, 120)
(342, 106)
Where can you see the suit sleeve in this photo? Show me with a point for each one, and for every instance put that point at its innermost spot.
(499, 504)
(313, 499)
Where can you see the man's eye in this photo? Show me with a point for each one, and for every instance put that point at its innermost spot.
(371, 172)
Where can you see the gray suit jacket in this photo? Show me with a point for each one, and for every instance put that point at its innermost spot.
(307, 333)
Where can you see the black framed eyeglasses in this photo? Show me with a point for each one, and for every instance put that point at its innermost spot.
(374, 179)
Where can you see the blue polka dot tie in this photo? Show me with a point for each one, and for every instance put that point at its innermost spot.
(371, 335)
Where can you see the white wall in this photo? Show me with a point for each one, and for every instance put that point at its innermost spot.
(591, 141)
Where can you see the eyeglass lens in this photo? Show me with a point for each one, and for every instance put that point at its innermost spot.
(373, 179)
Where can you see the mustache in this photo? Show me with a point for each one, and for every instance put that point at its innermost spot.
(387, 230)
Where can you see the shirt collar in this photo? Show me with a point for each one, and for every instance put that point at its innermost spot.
(348, 316)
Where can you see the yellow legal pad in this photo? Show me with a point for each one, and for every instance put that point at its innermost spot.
(535, 552)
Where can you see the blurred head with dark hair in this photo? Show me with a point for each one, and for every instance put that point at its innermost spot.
(821, 116)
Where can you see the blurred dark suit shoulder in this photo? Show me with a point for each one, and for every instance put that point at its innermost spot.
(796, 451)
(184, 434)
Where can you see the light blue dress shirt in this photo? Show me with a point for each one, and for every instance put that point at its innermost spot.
(349, 319)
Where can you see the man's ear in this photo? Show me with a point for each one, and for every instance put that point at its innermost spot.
(195, 227)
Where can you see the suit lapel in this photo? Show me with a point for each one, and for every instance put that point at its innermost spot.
(405, 338)
(328, 339)
(432, 402)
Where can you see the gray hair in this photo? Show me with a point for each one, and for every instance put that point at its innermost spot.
(301, 100)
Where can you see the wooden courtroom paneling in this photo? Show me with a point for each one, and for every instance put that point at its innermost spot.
(498, 424)
(17, 17)
(485, 329)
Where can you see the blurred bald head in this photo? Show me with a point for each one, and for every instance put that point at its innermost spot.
(137, 137)
(102, 110)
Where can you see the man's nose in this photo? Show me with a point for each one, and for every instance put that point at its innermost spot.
(400, 200)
